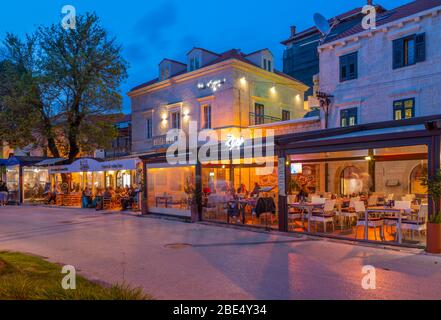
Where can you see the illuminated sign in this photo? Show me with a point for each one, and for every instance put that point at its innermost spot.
(296, 168)
(233, 142)
(214, 85)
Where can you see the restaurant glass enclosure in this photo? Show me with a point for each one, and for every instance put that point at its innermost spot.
(372, 194)
(31, 182)
(170, 189)
(241, 192)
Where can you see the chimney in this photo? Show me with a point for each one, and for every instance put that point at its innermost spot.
(293, 30)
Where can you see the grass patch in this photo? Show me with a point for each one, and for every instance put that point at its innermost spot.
(26, 277)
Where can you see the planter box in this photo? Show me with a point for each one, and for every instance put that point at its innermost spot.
(433, 238)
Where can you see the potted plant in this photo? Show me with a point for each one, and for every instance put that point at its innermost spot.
(433, 186)
(195, 200)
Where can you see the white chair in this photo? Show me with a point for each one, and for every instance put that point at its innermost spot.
(404, 206)
(349, 213)
(293, 213)
(390, 197)
(373, 201)
(318, 200)
(371, 223)
(325, 215)
(408, 197)
(420, 224)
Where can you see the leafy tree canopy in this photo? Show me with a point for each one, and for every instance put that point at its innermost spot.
(55, 82)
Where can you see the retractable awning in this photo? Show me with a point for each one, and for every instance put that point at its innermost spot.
(49, 162)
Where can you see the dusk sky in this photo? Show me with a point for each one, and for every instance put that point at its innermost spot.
(152, 30)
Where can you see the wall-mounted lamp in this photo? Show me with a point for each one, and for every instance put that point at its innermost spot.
(273, 89)
(368, 158)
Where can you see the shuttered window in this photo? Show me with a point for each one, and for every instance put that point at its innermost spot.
(409, 50)
(349, 67)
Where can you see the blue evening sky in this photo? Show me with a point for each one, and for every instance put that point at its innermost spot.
(155, 29)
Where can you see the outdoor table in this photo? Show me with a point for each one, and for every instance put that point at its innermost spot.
(381, 209)
(243, 202)
(163, 200)
(308, 207)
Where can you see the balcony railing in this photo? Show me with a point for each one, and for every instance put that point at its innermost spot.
(162, 141)
(256, 119)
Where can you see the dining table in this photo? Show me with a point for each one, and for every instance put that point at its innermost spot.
(163, 200)
(398, 213)
(306, 206)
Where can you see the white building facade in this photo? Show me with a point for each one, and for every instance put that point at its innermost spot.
(390, 73)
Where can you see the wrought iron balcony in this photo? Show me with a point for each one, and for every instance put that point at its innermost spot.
(257, 119)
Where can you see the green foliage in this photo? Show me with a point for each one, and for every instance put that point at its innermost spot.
(54, 83)
(433, 186)
(24, 277)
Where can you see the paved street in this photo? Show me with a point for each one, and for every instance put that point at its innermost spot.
(222, 263)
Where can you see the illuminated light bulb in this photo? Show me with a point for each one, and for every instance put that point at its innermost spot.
(368, 158)
(243, 81)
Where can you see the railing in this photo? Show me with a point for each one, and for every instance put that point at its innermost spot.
(256, 119)
(162, 141)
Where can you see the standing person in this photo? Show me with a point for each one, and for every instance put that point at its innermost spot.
(3, 194)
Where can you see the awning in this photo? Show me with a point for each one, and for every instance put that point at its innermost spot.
(49, 162)
(93, 165)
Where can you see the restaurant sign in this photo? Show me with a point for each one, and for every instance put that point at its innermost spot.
(92, 165)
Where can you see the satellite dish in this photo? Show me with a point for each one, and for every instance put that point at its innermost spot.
(322, 24)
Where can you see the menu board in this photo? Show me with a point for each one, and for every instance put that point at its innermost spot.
(281, 176)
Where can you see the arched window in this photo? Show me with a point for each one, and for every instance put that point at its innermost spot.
(417, 173)
(351, 181)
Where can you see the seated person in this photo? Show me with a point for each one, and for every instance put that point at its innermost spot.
(86, 198)
(98, 198)
(242, 189)
(256, 190)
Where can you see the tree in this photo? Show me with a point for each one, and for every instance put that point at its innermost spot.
(62, 80)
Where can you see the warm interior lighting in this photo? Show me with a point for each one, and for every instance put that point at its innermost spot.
(273, 89)
(164, 117)
(243, 81)
(368, 158)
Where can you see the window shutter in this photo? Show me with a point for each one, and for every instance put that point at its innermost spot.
(343, 66)
(352, 65)
(420, 47)
(398, 56)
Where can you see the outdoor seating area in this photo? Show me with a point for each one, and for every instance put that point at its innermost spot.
(241, 209)
(397, 221)
(375, 195)
(238, 194)
(108, 199)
